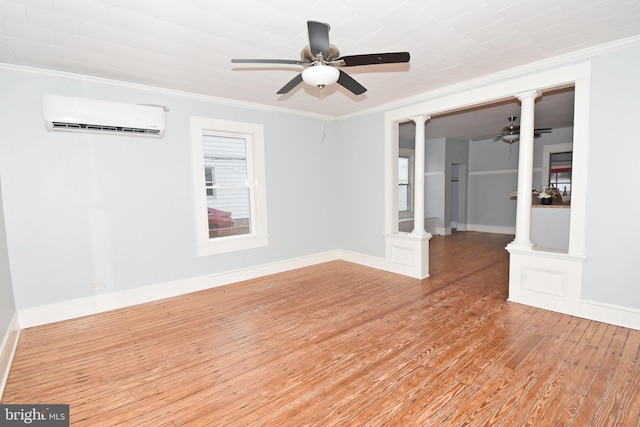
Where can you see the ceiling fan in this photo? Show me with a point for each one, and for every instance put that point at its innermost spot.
(321, 60)
(511, 133)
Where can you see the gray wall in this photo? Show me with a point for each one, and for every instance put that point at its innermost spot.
(613, 202)
(435, 178)
(359, 168)
(492, 177)
(7, 303)
(457, 152)
(440, 153)
(119, 210)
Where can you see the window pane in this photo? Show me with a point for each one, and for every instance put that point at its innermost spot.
(229, 213)
(208, 181)
(404, 178)
(403, 170)
(563, 183)
(228, 196)
(403, 197)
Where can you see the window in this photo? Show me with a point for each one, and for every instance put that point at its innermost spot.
(405, 183)
(560, 172)
(557, 168)
(229, 179)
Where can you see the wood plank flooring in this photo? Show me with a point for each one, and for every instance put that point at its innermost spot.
(339, 344)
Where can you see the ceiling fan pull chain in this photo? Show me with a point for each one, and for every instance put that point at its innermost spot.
(322, 109)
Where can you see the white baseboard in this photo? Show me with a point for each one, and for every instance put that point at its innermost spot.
(8, 350)
(367, 261)
(49, 313)
(496, 229)
(40, 315)
(612, 314)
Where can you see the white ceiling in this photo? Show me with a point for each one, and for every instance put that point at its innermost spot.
(187, 45)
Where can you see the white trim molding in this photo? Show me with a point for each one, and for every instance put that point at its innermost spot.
(496, 229)
(538, 278)
(609, 313)
(408, 264)
(49, 313)
(530, 68)
(253, 136)
(408, 254)
(553, 281)
(8, 350)
(545, 279)
(24, 69)
(65, 310)
(500, 172)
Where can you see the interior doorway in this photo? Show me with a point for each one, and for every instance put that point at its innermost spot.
(458, 198)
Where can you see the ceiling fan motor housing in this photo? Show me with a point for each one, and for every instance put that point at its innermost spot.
(307, 56)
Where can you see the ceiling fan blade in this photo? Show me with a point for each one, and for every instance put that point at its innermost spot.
(349, 83)
(292, 83)
(373, 58)
(267, 61)
(499, 135)
(546, 130)
(319, 38)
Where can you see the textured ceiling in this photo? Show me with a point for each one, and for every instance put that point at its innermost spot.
(187, 45)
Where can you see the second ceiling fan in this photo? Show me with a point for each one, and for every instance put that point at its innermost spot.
(511, 133)
(322, 60)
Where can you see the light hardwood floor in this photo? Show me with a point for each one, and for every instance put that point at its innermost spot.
(339, 344)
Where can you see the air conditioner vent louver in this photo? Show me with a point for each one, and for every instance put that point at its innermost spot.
(104, 128)
(63, 113)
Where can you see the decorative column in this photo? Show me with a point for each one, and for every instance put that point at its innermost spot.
(408, 253)
(418, 181)
(525, 170)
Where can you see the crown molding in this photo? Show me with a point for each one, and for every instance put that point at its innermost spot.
(537, 66)
(532, 67)
(23, 69)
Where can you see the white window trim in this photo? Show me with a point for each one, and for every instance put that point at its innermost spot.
(254, 133)
(410, 154)
(547, 150)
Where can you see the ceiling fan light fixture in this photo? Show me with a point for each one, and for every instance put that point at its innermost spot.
(511, 138)
(320, 75)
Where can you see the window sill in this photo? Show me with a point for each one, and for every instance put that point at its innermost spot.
(232, 244)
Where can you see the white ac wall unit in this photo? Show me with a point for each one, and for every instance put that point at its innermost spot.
(90, 115)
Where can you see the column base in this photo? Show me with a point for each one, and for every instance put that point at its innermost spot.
(545, 279)
(408, 254)
(522, 246)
